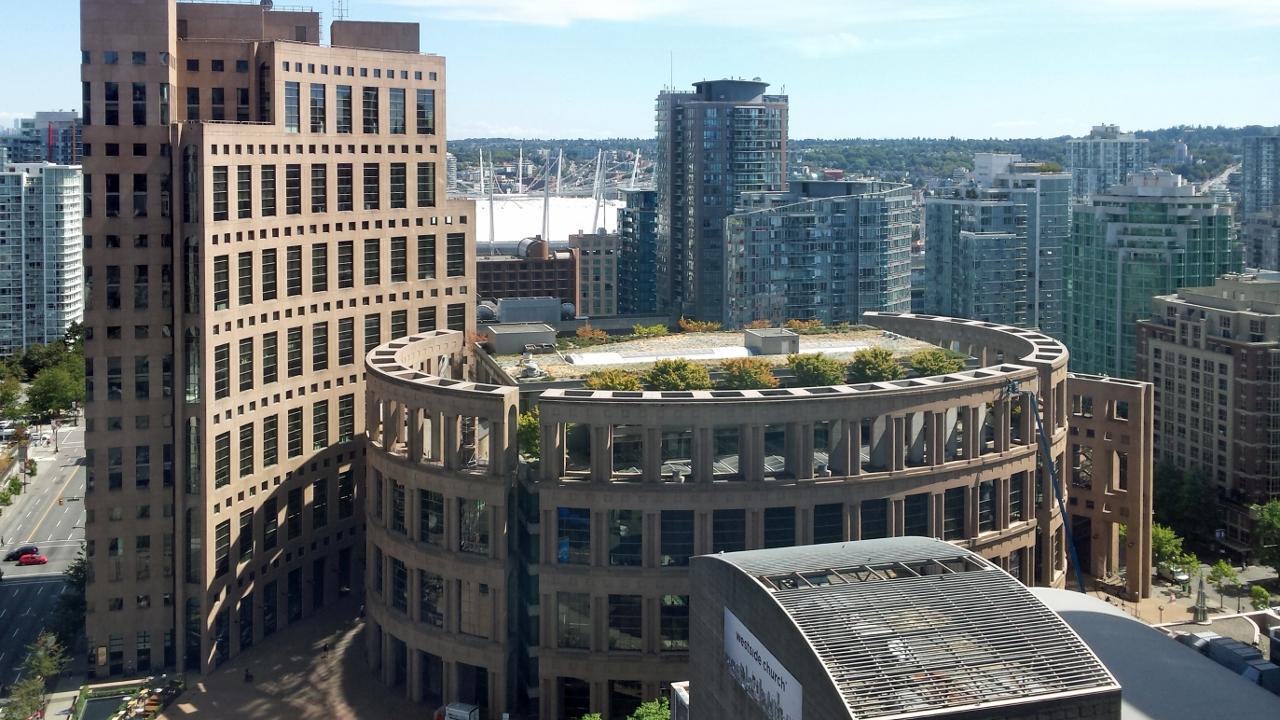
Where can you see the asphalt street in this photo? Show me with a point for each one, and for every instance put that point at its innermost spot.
(28, 594)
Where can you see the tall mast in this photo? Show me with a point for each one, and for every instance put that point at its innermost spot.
(492, 227)
(520, 172)
(559, 170)
(481, 172)
(546, 202)
(635, 168)
(598, 193)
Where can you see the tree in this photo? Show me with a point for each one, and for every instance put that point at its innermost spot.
(647, 331)
(1220, 576)
(747, 374)
(687, 325)
(587, 335)
(53, 391)
(67, 621)
(677, 374)
(1184, 500)
(12, 406)
(1259, 598)
(1166, 546)
(874, 365)
(26, 699)
(45, 660)
(612, 379)
(936, 361)
(814, 370)
(529, 434)
(758, 324)
(653, 710)
(1266, 531)
(40, 357)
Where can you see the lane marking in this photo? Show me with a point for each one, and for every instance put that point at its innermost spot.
(51, 505)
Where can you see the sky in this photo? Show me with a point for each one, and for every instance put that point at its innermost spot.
(852, 68)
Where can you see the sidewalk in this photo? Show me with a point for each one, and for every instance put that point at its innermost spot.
(294, 679)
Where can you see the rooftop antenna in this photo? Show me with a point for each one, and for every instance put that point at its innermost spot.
(559, 170)
(339, 9)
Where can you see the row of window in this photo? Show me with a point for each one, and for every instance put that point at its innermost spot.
(323, 69)
(391, 504)
(142, 464)
(267, 267)
(318, 118)
(269, 442)
(318, 184)
(140, 281)
(137, 103)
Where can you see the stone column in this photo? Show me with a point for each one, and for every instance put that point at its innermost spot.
(937, 447)
(552, 450)
(651, 455)
(799, 449)
(372, 406)
(497, 446)
(855, 446)
(751, 459)
(898, 517)
(972, 497)
(937, 515)
(899, 445)
(855, 520)
(452, 441)
(840, 459)
(917, 438)
(702, 462)
(415, 435)
(601, 453)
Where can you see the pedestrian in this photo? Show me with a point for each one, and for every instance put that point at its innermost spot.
(326, 649)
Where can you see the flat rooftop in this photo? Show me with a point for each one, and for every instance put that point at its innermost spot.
(916, 627)
(706, 348)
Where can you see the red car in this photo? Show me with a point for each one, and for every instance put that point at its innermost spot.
(32, 559)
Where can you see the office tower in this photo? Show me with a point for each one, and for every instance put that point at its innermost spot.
(826, 251)
(1261, 170)
(261, 211)
(1145, 238)
(451, 172)
(1212, 352)
(1103, 158)
(977, 255)
(1046, 193)
(552, 579)
(725, 138)
(638, 252)
(48, 136)
(532, 269)
(1260, 237)
(41, 240)
(597, 272)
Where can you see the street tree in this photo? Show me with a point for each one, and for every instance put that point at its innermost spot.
(1183, 500)
(677, 374)
(1266, 532)
(1166, 546)
(12, 406)
(612, 379)
(1259, 598)
(1221, 575)
(747, 374)
(54, 391)
(874, 365)
(936, 361)
(816, 370)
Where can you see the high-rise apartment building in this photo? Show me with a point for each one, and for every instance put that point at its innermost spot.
(1213, 354)
(1260, 169)
(261, 212)
(597, 273)
(1149, 237)
(451, 172)
(41, 240)
(826, 251)
(638, 252)
(725, 138)
(977, 259)
(1260, 238)
(48, 136)
(1102, 159)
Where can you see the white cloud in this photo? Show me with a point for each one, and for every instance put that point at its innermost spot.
(1264, 12)
(827, 45)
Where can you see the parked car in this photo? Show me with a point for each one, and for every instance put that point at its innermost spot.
(18, 552)
(1174, 575)
(32, 559)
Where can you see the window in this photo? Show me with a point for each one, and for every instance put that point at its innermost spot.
(626, 538)
(473, 526)
(222, 548)
(346, 417)
(293, 514)
(270, 522)
(346, 494)
(573, 620)
(455, 255)
(346, 341)
(953, 513)
(113, 198)
(222, 460)
(317, 107)
(141, 287)
(319, 188)
(399, 190)
(246, 450)
(430, 599)
(216, 65)
(426, 109)
(222, 371)
(372, 262)
(111, 94)
(1017, 485)
(573, 536)
(139, 58)
(342, 121)
(142, 467)
(293, 270)
(779, 527)
(370, 98)
(426, 184)
(828, 523)
(244, 278)
(430, 517)
(456, 316)
(319, 267)
(217, 104)
(728, 531)
(346, 190)
(399, 259)
(426, 319)
(246, 535)
(320, 346)
(268, 174)
(397, 507)
(269, 274)
(293, 189)
(270, 358)
(875, 519)
(219, 192)
(242, 104)
(246, 364)
(986, 506)
(320, 425)
(399, 323)
(293, 351)
(291, 110)
(139, 103)
(677, 538)
(270, 440)
(193, 104)
(625, 613)
(372, 186)
(139, 195)
(915, 515)
(426, 257)
(395, 104)
(141, 377)
(319, 504)
(673, 625)
(372, 331)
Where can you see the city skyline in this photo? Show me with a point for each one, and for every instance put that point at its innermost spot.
(899, 58)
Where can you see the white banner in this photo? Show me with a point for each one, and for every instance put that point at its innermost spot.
(759, 673)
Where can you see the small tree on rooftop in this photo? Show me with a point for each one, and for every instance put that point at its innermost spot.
(612, 379)
(588, 335)
(693, 326)
(758, 324)
(747, 373)
(677, 374)
(874, 365)
(814, 370)
(529, 434)
(936, 361)
(648, 331)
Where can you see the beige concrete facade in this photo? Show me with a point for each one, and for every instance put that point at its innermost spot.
(296, 218)
(588, 543)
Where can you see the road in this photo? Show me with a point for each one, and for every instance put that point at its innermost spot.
(29, 594)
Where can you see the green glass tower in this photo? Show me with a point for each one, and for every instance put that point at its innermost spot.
(1147, 237)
